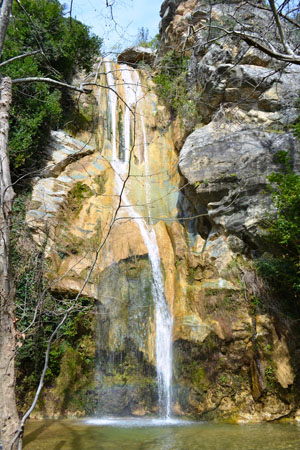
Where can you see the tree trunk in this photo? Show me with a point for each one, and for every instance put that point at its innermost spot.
(5, 10)
(9, 420)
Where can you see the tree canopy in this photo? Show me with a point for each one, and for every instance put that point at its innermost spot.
(64, 46)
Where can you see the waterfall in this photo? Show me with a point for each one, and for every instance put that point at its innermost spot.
(112, 105)
(163, 320)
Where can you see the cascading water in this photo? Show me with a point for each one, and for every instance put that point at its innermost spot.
(163, 320)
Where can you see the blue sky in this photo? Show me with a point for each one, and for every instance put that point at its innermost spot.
(130, 16)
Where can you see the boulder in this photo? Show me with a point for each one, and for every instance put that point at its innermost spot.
(228, 168)
(133, 55)
(63, 149)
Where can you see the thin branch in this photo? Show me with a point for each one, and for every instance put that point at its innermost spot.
(280, 29)
(284, 16)
(252, 42)
(51, 81)
(15, 58)
(280, 56)
(110, 6)
(71, 7)
(35, 29)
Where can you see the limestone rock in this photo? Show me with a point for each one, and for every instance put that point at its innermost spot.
(134, 55)
(228, 168)
(63, 149)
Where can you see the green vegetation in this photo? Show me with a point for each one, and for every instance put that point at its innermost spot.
(65, 46)
(172, 87)
(99, 183)
(78, 118)
(282, 268)
(74, 336)
(38, 311)
(76, 197)
(255, 304)
(144, 40)
(80, 191)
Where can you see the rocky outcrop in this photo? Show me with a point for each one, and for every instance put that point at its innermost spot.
(247, 106)
(228, 167)
(230, 77)
(134, 55)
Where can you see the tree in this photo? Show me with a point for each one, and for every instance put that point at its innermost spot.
(62, 59)
(55, 47)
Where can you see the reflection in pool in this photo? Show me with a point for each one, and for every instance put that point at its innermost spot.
(154, 434)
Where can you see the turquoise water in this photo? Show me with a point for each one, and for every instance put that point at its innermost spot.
(114, 434)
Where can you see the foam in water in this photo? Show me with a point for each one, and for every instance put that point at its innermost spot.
(131, 422)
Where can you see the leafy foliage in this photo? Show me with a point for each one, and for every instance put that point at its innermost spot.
(282, 269)
(39, 310)
(65, 46)
(172, 86)
(285, 229)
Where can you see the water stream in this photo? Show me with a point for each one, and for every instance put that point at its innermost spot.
(163, 320)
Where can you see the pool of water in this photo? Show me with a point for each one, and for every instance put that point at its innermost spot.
(153, 434)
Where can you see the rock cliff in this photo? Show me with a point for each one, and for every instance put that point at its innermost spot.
(231, 358)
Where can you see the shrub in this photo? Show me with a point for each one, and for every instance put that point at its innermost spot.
(172, 86)
(282, 268)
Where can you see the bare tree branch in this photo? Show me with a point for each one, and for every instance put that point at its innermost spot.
(280, 29)
(273, 53)
(111, 89)
(253, 41)
(51, 81)
(15, 58)
(284, 16)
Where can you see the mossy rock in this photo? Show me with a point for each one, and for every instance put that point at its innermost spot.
(80, 119)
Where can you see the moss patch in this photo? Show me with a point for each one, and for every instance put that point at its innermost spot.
(76, 197)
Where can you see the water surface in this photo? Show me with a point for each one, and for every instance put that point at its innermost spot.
(149, 434)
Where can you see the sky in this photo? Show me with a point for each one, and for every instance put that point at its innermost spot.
(129, 17)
